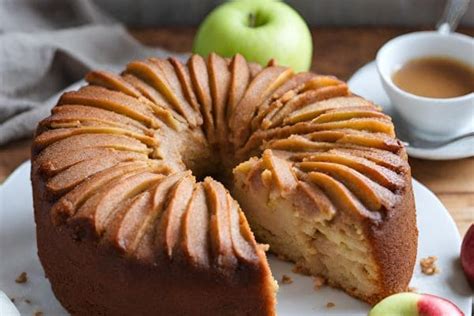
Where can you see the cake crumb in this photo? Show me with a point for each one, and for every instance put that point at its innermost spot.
(330, 305)
(318, 282)
(27, 301)
(285, 279)
(412, 289)
(265, 247)
(38, 313)
(300, 270)
(428, 265)
(267, 178)
(22, 278)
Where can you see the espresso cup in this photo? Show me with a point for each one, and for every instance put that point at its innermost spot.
(428, 117)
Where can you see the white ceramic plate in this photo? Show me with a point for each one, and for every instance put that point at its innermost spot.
(438, 237)
(366, 83)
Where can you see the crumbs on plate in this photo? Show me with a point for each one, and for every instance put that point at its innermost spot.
(428, 265)
(22, 278)
(285, 279)
(318, 282)
(300, 270)
(330, 305)
(265, 247)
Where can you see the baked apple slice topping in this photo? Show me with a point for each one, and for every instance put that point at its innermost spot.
(68, 204)
(185, 79)
(170, 226)
(195, 228)
(219, 81)
(219, 223)
(239, 80)
(92, 218)
(81, 113)
(260, 88)
(113, 101)
(200, 80)
(112, 81)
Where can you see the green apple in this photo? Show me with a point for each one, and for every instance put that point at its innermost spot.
(259, 30)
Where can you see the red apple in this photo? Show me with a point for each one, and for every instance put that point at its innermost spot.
(467, 255)
(414, 304)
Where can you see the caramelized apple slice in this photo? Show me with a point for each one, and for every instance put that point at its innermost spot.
(349, 113)
(82, 164)
(303, 99)
(162, 108)
(120, 231)
(161, 76)
(196, 227)
(200, 79)
(69, 121)
(313, 110)
(311, 201)
(150, 93)
(341, 196)
(255, 69)
(381, 157)
(261, 136)
(299, 143)
(92, 217)
(371, 194)
(379, 174)
(186, 84)
(58, 163)
(260, 88)
(170, 225)
(112, 101)
(170, 87)
(112, 81)
(67, 113)
(219, 223)
(243, 241)
(138, 227)
(75, 174)
(84, 141)
(359, 138)
(219, 80)
(281, 95)
(54, 135)
(282, 175)
(69, 203)
(375, 125)
(319, 82)
(239, 80)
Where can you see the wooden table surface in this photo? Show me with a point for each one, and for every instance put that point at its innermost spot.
(338, 51)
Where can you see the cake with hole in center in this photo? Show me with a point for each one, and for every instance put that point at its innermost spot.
(153, 189)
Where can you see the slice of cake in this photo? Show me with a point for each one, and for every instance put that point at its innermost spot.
(336, 215)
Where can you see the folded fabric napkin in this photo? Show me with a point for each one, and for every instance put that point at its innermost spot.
(48, 45)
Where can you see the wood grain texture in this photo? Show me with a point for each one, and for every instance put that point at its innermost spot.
(340, 52)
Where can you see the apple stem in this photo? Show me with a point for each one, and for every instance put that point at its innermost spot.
(252, 19)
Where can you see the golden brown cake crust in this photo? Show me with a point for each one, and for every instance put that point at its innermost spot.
(123, 225)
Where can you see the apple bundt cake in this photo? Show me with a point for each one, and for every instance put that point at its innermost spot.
(150, 185)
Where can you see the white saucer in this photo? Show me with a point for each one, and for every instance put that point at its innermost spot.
(18, 254)
(366, 83)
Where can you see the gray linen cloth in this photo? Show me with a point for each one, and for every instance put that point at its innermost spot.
(46, 47)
